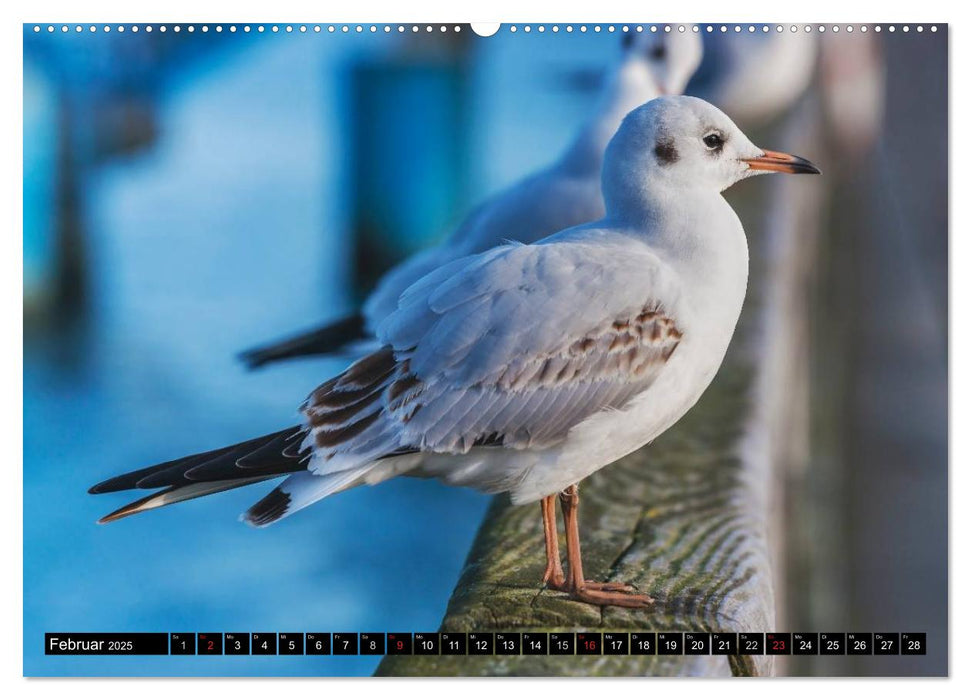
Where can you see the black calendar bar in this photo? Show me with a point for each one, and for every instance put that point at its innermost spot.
(106, 644)
(486, 643)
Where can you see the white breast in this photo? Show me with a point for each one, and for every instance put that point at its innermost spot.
(714, 285)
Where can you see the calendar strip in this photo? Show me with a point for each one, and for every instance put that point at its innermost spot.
(486, 643)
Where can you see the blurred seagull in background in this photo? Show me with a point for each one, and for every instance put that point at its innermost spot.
(526, 368)
(565, 194)
(755, 76)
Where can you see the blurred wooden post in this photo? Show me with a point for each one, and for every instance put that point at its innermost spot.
(407, 155)
(691, 519)
(40, 171)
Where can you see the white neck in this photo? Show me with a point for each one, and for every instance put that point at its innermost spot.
(693, 229)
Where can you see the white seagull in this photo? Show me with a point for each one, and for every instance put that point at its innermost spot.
(564, 194)
(526, 368)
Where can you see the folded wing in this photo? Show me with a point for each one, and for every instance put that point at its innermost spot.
(511, 348)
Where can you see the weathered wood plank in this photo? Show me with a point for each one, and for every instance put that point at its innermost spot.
(685, 519)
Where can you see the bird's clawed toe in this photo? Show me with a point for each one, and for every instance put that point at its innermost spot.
(611, 586)
(603, 596)
(554, 579)
(601, 593)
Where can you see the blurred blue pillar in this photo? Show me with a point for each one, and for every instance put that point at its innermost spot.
(408, 157)
(40, 160)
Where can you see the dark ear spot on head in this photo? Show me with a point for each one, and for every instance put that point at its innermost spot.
(666, 152)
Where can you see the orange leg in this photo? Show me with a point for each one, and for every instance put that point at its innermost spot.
(608, 593)
(554, 570)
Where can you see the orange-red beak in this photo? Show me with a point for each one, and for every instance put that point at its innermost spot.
(776, 162)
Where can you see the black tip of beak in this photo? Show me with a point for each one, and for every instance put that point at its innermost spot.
(801, 166)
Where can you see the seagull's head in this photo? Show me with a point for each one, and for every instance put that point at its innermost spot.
(669, 59)
(686, 143)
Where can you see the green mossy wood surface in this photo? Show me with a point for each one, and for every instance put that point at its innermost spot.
(684, 519)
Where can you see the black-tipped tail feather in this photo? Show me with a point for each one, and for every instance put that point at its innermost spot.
(268, 509)
(325, 340)
(177, 494)
(267, 457)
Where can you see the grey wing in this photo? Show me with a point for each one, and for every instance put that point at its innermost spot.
(527, 341)
(513, 348)
(537, 399)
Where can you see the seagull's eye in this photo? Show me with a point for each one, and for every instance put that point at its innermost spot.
(627, 39)
(658, 52)
(714, 141)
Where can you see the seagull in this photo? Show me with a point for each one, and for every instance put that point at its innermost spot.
(528, 367)
(564, 194)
